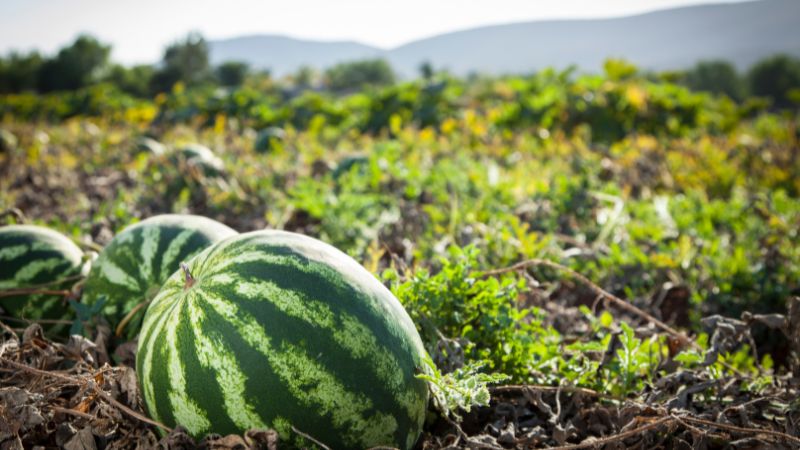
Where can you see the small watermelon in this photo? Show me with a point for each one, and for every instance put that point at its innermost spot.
(200, 158)
(359, 162)
(37, 256)
(8, 141)
(150, 146)
(271, 329)
(133, 266)
(269, 139)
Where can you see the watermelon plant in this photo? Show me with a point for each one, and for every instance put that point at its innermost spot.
(132, 267)
(271, 329)
(348, 163)
(33, 256)
(269, 139)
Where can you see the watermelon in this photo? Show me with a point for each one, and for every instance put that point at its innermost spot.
(199, 157)
(348, 163)
(133, 266)
(271, 329)
(8, 141)
(150, 146)
(269, 139)
(34, 256)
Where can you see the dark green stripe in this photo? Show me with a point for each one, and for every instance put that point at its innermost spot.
(163, 244)
(194, 245)
(9, 269)
(199, 380)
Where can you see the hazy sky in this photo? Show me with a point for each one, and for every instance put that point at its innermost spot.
(140, 29)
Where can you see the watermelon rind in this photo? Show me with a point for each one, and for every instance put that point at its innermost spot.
(200, 157)
(133, 266)
(279, 330)
(32, 256)
(269, 139)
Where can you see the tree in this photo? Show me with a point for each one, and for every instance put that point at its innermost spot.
(304, 77)
(232, 73)
(619, 69)
(18, 72)
(717, 77)
(185, 61)
(75, 66)
(426, 70)
(134, 80)
(355, 75)
(774, 78)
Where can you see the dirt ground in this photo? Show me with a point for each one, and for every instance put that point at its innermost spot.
(75, 395)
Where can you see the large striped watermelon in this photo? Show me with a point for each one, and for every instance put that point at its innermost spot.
(276, 329)
(134, 265)
(35, 256)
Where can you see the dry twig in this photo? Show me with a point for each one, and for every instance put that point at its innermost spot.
(310, 438)
(617, 437)
(622, 304)
(91, 384)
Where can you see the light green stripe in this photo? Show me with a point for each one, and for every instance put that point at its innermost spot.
(161, 308)
(150, 239)
(309, 382)
(230, 378)
(168, 263)
(292, 303)
(115, 275)
(340, 278)
(11, 252)
(185, 410)
(253, 256)
(127, 236)
(354, 336)
(46, 245)
(35, 268)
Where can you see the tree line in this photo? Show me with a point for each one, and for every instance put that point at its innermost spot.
(86, 62)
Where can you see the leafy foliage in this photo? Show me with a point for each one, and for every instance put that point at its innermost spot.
(718, 77)
(774, 78)
(75, 66)
(232, 73)
(185, 61)
(460, 390)
(356, 75)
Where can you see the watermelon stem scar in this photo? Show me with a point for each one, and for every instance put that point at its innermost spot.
(189, 279)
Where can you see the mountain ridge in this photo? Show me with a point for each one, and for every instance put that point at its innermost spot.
(674, 38)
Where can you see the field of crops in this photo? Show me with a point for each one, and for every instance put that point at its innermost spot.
(596, 260)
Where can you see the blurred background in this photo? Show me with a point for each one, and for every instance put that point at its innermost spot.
(735, 48)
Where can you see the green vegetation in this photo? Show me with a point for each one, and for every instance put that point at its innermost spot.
(232, 73)
(717, 77)
(358, 75)
(776, 78)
